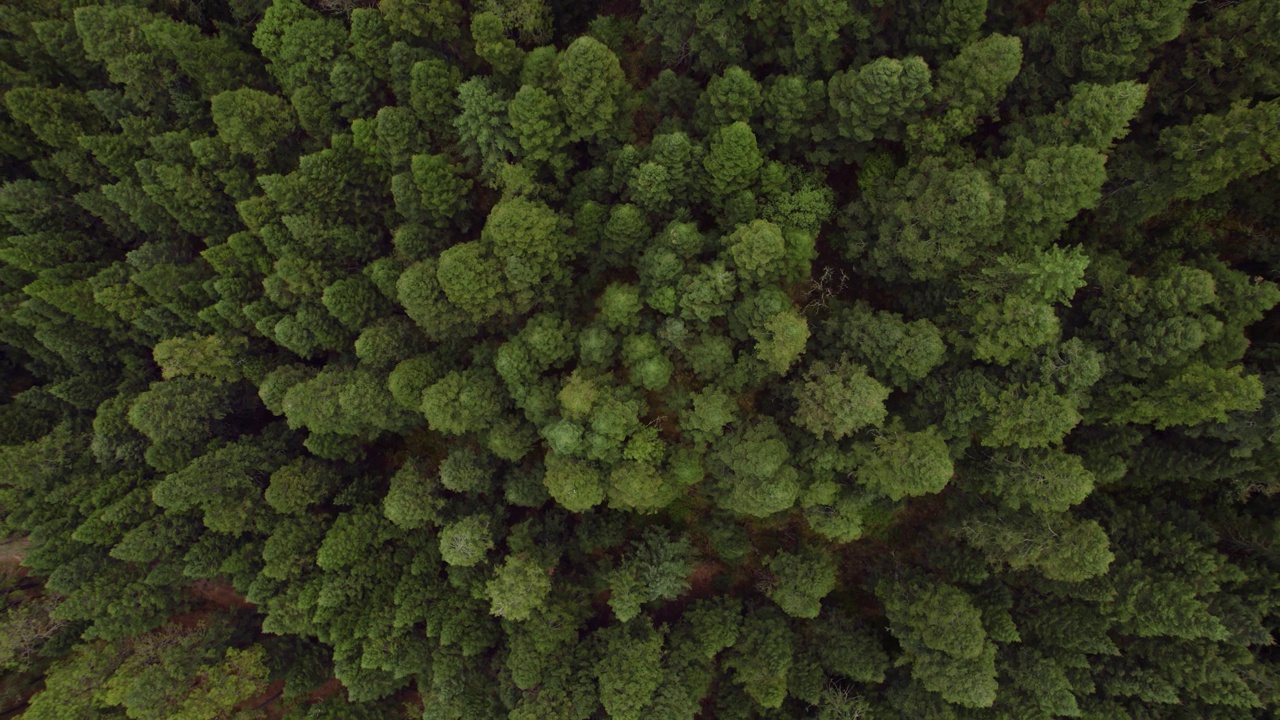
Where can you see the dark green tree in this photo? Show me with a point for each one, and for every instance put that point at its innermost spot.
(593, 88)
(880, 97)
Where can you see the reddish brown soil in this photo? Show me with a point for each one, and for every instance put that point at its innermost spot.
(215, 597)
(701, 578)
(621, 8)
(219, 595)
(411, 701)
(272, 707)
(1027, 12)
(328, 689)
(12, 572)
(268, 702)
(13, 550)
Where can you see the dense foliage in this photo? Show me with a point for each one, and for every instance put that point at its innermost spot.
(724, 359)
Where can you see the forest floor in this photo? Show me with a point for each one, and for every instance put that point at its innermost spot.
(219, 594)
(222, 595)
(272, 706)
(13, 550)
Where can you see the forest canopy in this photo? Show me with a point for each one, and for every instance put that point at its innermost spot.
(549, 360)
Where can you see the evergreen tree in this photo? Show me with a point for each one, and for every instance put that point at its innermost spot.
(726, 359)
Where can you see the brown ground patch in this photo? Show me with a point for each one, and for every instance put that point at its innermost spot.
(219, 594)
(267, 702)
(212, 597)
(701, 578)
(331, 687)
(271, 706)
(12, 572)
(13, 550)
